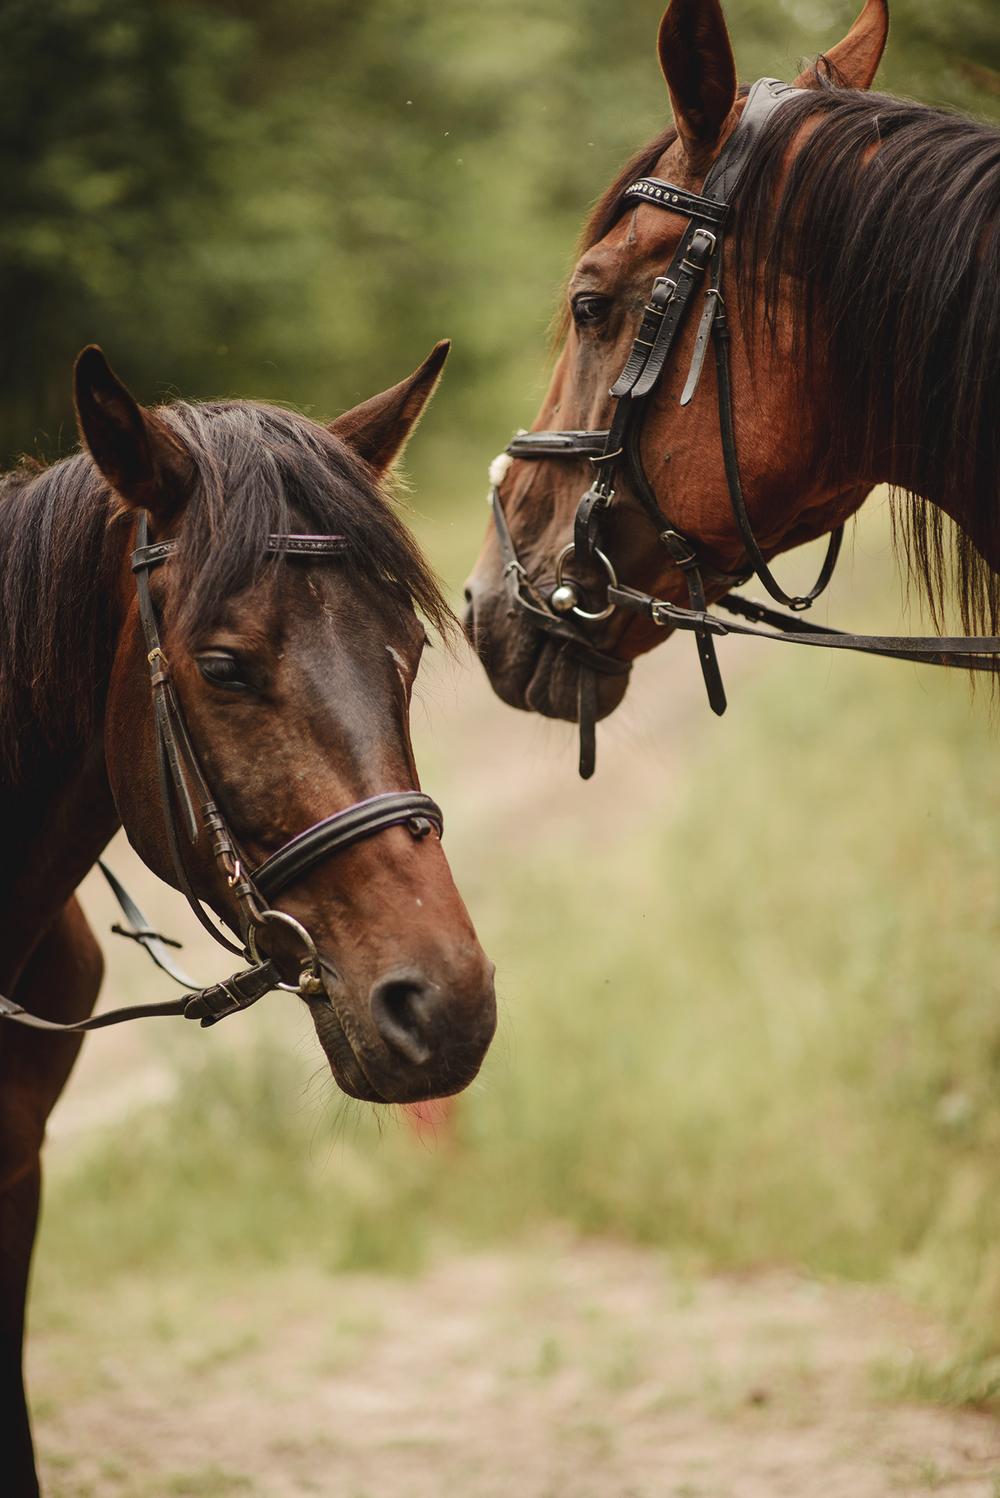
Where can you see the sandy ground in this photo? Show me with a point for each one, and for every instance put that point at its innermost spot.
(570, 1371)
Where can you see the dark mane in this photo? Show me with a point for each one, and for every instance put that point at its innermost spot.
(889, 219)
(260, 469)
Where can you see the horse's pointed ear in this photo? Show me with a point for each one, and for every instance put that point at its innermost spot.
(380, 428)
(697, 61)
(136, 451)
(854, 61)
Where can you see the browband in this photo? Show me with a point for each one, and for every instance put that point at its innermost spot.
(667, 195)
(298, 546)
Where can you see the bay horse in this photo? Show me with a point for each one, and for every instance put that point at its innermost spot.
(839, 250)
(284, 595)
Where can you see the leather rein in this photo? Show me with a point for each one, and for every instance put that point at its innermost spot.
(190, 810)
(557, 611)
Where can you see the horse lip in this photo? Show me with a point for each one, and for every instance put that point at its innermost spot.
(552, 689)
(346, 1065)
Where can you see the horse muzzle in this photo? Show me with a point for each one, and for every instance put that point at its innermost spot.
(532, 669)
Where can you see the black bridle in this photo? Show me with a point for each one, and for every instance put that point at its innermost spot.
(557, 612)
(188, 803)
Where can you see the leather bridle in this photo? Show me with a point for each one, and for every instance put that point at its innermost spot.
(189, 808)
(557, 612)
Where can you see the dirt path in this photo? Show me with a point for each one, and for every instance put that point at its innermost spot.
(571, 1371)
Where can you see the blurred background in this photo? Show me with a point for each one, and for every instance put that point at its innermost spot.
(750, 1010)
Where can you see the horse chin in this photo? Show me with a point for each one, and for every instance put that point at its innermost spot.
(553, 688)
(345, 1065)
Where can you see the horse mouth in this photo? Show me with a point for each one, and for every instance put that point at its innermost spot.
(534, 672)
(553, 687)
(345, 1064)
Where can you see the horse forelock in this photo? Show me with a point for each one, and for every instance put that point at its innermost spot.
(259, 470)
(263, 470)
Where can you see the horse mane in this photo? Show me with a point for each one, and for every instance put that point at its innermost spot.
(888, 218)
(259, 469)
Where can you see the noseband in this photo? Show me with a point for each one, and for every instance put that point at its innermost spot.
(187, 801)
(558, 612)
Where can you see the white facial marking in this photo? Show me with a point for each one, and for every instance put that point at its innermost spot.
(402, 669)
(499, 468)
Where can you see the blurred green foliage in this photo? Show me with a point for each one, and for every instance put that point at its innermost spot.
(294, 199)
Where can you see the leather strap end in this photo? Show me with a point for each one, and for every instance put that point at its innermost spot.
(586, 698)
(711, 673)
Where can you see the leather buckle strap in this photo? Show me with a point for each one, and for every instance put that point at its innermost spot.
(587, 520)
(664, 313)
(232, 995)
(682, 553)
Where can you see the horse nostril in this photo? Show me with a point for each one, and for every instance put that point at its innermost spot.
(403, 1010)
(468, 593)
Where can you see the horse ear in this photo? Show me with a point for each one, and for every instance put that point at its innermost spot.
(854, 61)
(380, 428)
(135, 450)
(697, 61)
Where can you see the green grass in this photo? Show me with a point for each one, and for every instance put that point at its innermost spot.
(763, 1028)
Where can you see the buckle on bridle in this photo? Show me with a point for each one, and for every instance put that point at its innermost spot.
(680, 548)
(659, 297)
(698, 255)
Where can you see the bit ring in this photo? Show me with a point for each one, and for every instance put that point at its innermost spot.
(590, 615)
(310, 979)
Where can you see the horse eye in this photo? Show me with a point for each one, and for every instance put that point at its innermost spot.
(590, 309)
(222, 671)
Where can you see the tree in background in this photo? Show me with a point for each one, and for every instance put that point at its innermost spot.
(294, 198)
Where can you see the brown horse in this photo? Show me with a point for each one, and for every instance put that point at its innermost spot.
(294, 677)
(860, 258)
